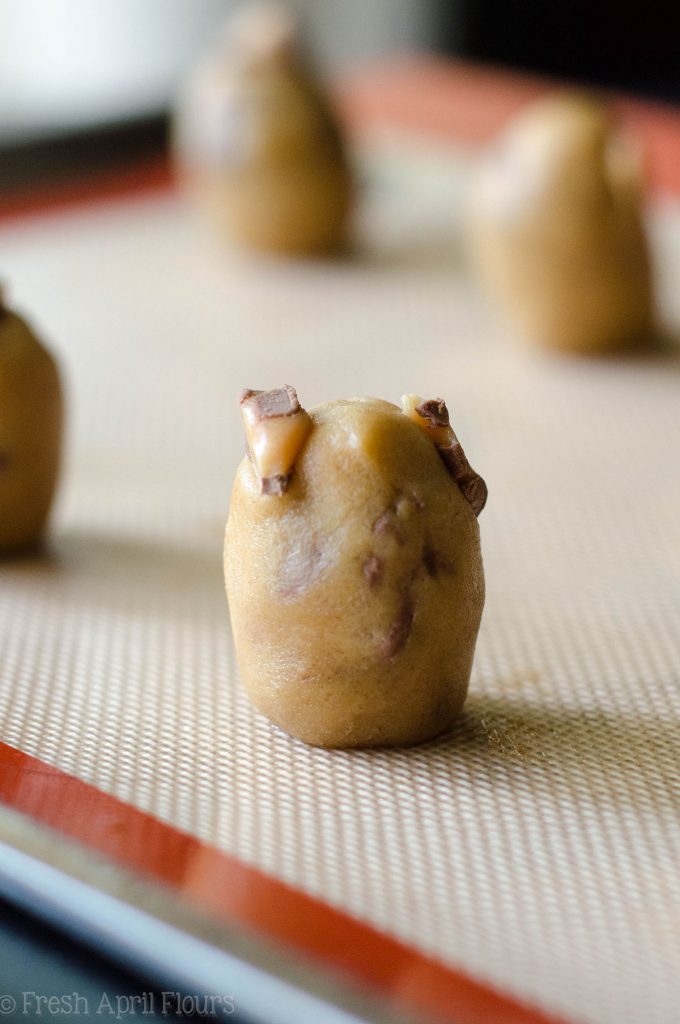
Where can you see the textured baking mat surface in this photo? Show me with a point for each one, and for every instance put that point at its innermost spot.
(538, 845)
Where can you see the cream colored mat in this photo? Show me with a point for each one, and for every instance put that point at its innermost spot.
(539, 845)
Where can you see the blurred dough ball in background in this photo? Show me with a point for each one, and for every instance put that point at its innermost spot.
(556, 232)
(31, 414)
(257, 143)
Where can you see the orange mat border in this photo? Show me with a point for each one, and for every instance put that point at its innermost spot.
(226, 888)
(469, 103)
(148, 177)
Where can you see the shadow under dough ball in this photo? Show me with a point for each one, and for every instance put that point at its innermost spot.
(556, 230)
(353, 568)
(257, 142)
(31, 413)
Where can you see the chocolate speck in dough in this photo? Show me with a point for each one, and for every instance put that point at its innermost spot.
(385, 523)
(399, 631)
(435, 562)
(5, 460)
(275, 484)
(373, 570)
(395, 515)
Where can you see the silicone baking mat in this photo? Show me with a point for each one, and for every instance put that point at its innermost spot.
(536, 847)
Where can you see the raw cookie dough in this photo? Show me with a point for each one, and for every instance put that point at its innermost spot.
(30, 433)
(258, 144)
(353, 568)
(555, 227)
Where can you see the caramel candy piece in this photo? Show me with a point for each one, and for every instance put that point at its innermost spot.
(556, 230)
(276, 428)
(31, 413)
(257, 143)
(432, 416)
(356, 594)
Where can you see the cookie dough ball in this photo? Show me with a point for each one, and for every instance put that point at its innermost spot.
(30, 433)
(556, 229)
(258, 144)
(353, 568)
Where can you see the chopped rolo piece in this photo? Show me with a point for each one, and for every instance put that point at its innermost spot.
(435, 411)
(267, 404)
(432, 417)
(475, 491)
(276, 427)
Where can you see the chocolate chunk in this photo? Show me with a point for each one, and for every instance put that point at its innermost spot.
(392, 519)
(435, 562)
(270, 404)
(385, 524)
(475, 491)
(275, 484)
(5, 460)
(373, 569)
(472, 486)
(400, 629)
(434, 410)
(273, 446)
(438, 427)
(455, 460)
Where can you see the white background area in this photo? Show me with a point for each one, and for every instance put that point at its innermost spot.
(65, 63)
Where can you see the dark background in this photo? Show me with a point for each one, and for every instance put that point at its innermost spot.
(633, 46)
